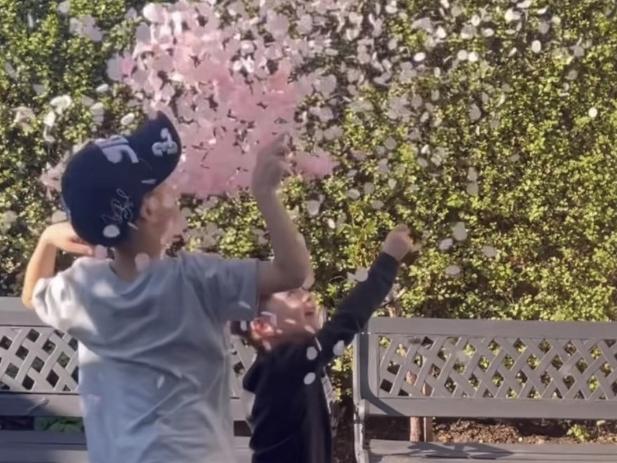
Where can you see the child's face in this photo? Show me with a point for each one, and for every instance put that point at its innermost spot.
(161, 212)
(289, 315)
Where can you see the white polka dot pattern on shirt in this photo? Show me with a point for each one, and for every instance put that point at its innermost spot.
(311, 353)
(309, 378)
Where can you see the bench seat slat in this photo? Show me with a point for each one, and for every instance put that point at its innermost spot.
(390, 451)
(53, 447)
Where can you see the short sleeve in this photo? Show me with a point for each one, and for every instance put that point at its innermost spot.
(55, 301)
(226, 286)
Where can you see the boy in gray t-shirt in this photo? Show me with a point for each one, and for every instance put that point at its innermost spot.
(153, 349)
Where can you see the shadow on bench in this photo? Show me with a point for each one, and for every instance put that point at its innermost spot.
(38, 378)
(484, 369)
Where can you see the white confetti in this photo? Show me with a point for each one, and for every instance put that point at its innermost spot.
(111, 231)
(446, 244)
(312, 207)
(309, 378)
(61, 103)
(536, 46)
(128, 119)
(244, 326)
(593, 113)
(489, 251)
(360, 275)
(353, 194)
(512, 15)
(474, 112)
(544, 27)
(10, 70)
(9, 217)
(339, 348)
(50, 119)
(419, 57)
(64, 7)
(473, 188)
(579, 51)
(160, 381)
(103, 88)
(459, 231)
(453, 270)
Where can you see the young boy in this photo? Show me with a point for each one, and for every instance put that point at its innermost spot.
(153, 353)
(289, 418)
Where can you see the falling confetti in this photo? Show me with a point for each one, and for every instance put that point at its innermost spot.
(536, 46)
(453, 270)
(312, 207)
(339, 348)
(474, 112)
(111, 231)
(128, 119)
(446, 244)
(459, 231)
(489, 251)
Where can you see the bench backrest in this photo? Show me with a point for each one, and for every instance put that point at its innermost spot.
(38, 367)
(486, 368)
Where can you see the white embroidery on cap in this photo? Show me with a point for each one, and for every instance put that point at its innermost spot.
(167, 146)
(115, 148)
(121, 208)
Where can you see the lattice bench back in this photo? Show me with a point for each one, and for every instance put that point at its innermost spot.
(483, 368)
(38, 367)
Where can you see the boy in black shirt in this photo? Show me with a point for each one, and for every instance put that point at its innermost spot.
(290, 419)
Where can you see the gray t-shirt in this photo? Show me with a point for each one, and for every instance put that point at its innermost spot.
(153, 354)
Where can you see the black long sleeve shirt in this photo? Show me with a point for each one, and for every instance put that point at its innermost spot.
(289, 419)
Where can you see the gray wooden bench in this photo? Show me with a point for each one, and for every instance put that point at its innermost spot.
(38, 378)
(484, 369)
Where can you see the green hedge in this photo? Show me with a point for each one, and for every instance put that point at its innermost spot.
(546, 198)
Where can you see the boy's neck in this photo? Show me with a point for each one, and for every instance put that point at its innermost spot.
(130, 261)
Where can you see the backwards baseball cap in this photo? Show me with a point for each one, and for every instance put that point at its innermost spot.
(104, 184)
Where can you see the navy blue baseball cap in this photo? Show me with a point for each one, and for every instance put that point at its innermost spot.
(104, 183)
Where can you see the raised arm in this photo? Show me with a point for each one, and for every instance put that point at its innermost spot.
(360, 304)
(43, 261)
(352, 314)
(291, 264)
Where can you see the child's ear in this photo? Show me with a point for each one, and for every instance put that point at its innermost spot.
(149, 208)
